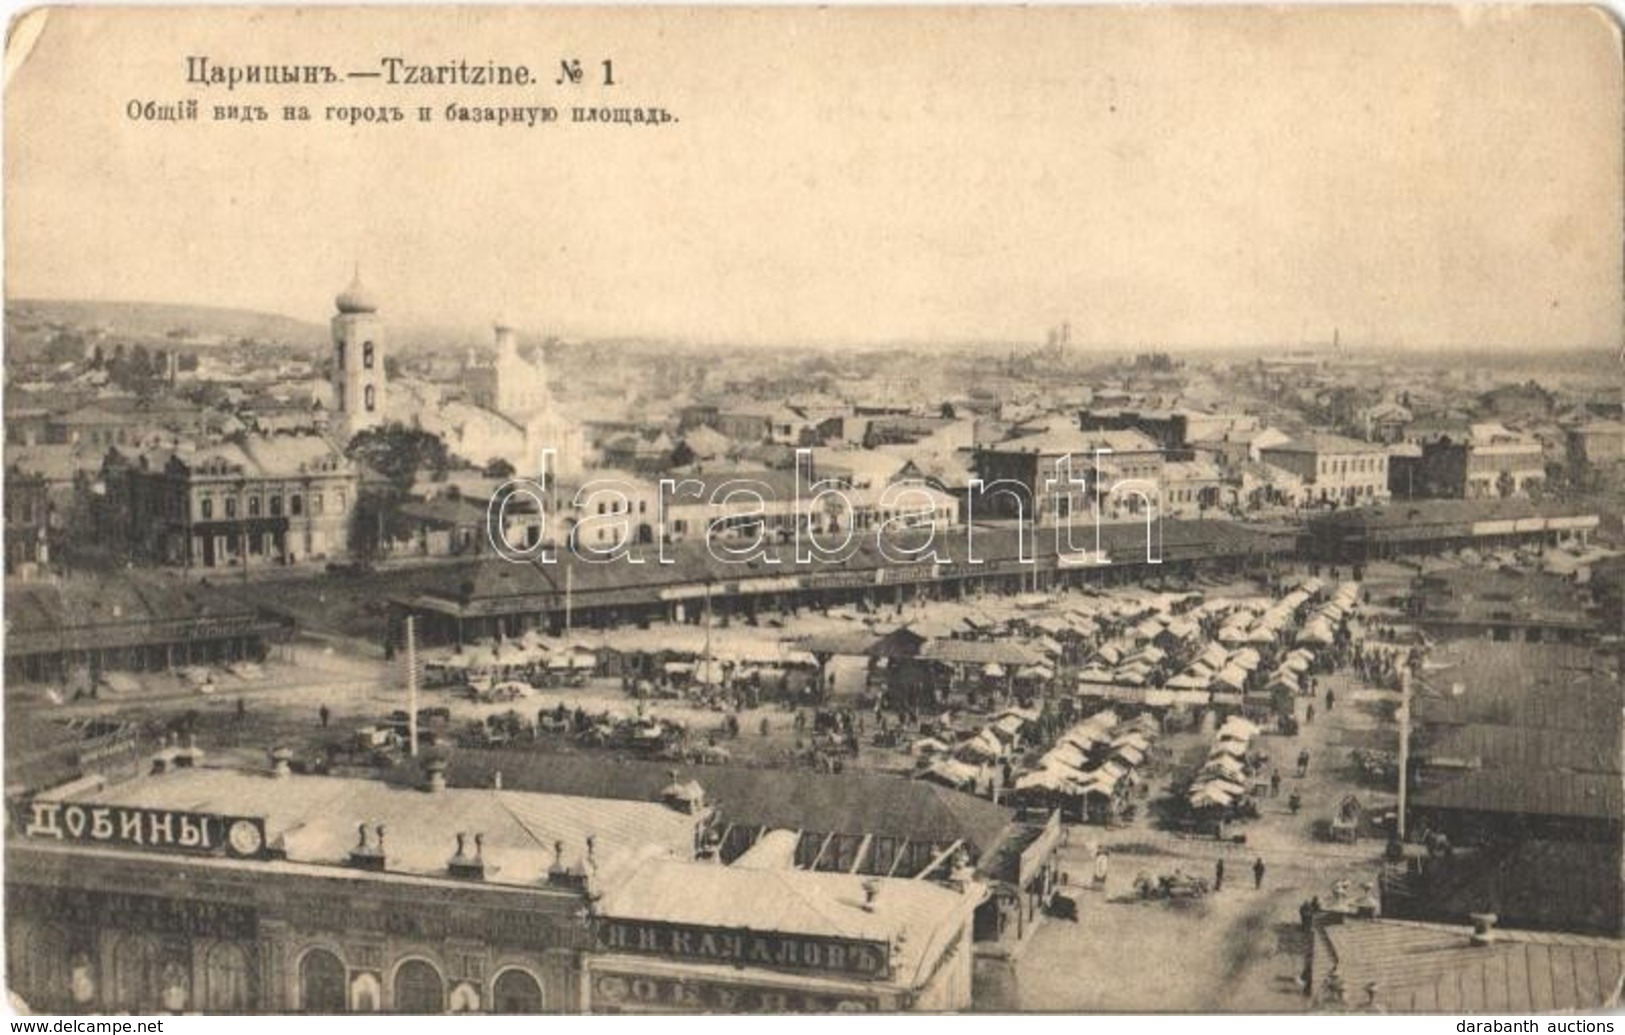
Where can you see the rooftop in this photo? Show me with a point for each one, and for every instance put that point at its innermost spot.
(844, 803)
(1324, 443)
(916, 918)
(315, 819)
(1436, 968)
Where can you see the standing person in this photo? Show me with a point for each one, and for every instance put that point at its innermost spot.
(1309, 715)
(1303, 762)
(1218, 875)
(1275, 783)
(324, 713)
(1331, 698)
(1258, 873)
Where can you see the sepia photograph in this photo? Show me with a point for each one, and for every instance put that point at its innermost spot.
(686, 510)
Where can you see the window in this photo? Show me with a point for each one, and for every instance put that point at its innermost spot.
(516, 992)
(206, 508)
(340, 501)
(231, 506)
(225, 980)
(296, 505)
(418, 989)
(316, 504)
(321, 983)
(276, 506)
(366, 355)
(253, 506)
(140, 978)
(370, 397)
(340, 358)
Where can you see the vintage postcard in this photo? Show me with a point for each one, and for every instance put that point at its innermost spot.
(686, 510)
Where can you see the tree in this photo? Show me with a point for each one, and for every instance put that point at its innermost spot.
(400, 453)
(499, 468)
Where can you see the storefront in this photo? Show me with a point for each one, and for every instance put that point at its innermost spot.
(295, 900)
(695, 938)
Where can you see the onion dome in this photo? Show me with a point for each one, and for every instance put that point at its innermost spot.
(356, 298)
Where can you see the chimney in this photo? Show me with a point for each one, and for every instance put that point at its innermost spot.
(281, 762)
(465, 866)
(1483, 928)
(365, 855)
(436, 768)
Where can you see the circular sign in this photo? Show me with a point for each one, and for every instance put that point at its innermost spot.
(245, 838)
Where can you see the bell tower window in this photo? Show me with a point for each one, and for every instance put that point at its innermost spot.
(366, 355)
(371, 396)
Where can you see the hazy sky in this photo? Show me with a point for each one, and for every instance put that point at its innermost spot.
(1206, 176)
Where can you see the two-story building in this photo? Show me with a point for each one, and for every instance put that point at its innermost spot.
(257, 500)
(1335, 470)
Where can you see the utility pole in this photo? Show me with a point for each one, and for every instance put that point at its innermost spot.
(412, 685)
(708, 662)
(569, 602)
(1404, 744)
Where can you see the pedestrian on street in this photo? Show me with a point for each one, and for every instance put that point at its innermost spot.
(1218, 875)
(324, 714)
(1275, 783)
(1258, 873)
(1331, 698)
(1303, 762)
(1309, 715)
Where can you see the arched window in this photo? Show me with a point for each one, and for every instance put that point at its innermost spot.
(137, 979)
(516, 992)
(321, 983)
(371, 398)
(225, 980)
(40, 967)
(418, 989)
(366, 354)
(340, 356)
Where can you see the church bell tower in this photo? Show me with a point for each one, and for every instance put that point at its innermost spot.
(358, 363)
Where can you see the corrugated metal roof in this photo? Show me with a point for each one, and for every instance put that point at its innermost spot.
(846, 803)
(1425, 968)
(1578, 795)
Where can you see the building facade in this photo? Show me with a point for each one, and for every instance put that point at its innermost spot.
(1334, 470)
(259, 500)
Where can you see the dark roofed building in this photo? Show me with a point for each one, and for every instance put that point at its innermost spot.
(1516, 762)
(906, 822)
(477, 599)
(1432, 526)
(111, 622)
(1501, 605)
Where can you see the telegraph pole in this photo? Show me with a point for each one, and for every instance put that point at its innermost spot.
(412, 685)
(1404, 744)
